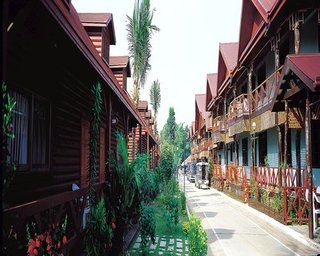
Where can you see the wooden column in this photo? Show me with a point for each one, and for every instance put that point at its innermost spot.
(225, 118)
(297, 40)
(252, 135)
(286, 128)
(298, 156)
(140, 138)
(308, 163)
(279, 153)
(109, 130)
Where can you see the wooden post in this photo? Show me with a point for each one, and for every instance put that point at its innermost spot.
(297, 37)
(109, 131)
(225, 118)
(252, 135)
(308, 163)
(286, 127)
(279, 154)
(140, 138)
(298, 156)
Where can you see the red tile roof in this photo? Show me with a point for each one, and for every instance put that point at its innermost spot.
(201, 103)
(143, 105)
(211, 88)
(229, 52)
(99, 20)
(264, 7)
(212, 81)
(120, 62)
(306, 67)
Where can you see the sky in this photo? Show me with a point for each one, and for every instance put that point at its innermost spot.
(183, 52)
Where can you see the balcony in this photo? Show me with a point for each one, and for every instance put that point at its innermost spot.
(219, 124)
(239, 107)
(265, 92)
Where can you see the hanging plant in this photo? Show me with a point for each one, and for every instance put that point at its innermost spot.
(8, 166)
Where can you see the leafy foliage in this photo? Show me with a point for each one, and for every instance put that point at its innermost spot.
(140, 30)
(166, 161)
(8, 166)
(197, 237)
(98, 233)
(155, 99)
(94, 138)
(147, 224)
(124, 182)
(170, 199)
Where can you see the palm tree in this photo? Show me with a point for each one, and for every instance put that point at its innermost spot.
(155, 100)
(140, 30)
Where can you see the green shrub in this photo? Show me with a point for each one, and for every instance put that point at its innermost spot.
(166, 161)
(277, 201)
(185, 227)
(183, 201)
(147, 224)
(197, 237)
(98, 233)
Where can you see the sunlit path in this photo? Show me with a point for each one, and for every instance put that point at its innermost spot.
(233, 230)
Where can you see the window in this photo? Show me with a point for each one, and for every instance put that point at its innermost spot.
(245, 152)
(31, 120)
(262, 147)
(315, 144)
(261, 75)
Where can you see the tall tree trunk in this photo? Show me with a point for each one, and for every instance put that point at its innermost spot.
(135, 92)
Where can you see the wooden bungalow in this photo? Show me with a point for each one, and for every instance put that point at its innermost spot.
(202, 130)
(270, 105)
(52, 58)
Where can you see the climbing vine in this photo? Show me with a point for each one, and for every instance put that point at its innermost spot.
(8, 165)
(94, 137)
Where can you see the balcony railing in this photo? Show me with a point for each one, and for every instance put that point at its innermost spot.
(49, 212)
(265, 92)
(239, 107)
(219, 124)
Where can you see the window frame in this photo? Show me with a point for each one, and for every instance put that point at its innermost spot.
(32, 96)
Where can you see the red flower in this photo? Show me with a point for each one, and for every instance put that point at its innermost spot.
(38, 244)
(64, 240)
(113, 225)
(59, 245)
(109, 245)
(32, 242)
(48, 239)
(30, 249)
(35, 252)
(41, 237)
(48, 247)
(61, 254)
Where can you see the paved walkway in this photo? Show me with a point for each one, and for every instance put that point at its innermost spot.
(164, 245)
(233, 230)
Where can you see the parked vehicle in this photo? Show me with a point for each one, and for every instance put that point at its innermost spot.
(202, 175)
(192, 172)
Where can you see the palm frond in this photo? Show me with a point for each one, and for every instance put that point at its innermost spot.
(140, 30)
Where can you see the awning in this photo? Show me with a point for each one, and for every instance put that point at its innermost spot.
(304, 69)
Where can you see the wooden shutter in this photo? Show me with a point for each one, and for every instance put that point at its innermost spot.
(102, 158)
(85, 135)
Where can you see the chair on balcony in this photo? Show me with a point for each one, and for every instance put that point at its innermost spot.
(86, 209)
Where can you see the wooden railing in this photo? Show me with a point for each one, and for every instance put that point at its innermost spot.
(236, 180)
(219, 124)
(290, 185)
(239, 107)
(50, 212)
(265, 92)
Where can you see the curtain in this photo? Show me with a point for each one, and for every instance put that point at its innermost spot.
(18, 147)
(40, 134)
